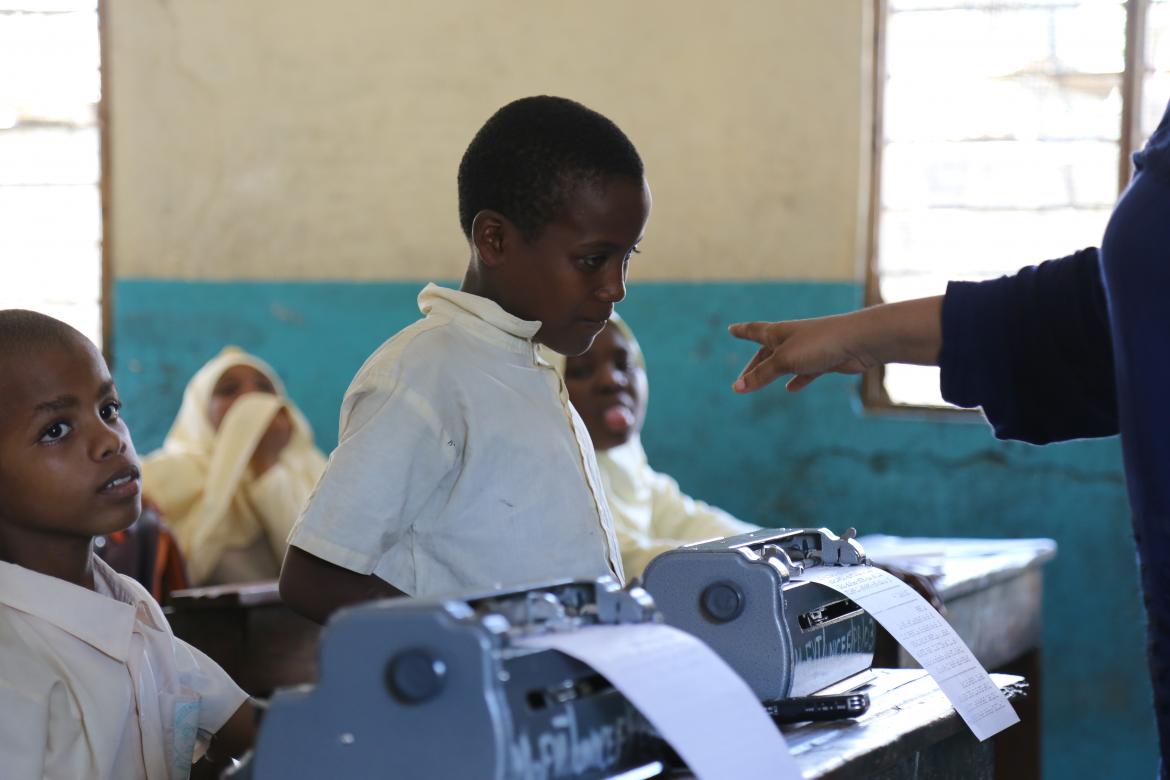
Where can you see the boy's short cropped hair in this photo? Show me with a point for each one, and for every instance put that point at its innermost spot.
(22, 330)
(531, 154)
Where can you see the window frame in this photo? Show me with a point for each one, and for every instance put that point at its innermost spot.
(874, 397)
(106, 303)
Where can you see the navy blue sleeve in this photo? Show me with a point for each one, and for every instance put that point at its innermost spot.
(1033, 351)
(1136, 266)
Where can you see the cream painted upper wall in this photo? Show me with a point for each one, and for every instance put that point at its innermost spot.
(270, 139)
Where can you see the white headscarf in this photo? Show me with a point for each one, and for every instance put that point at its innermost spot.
(201, 478)
(650, 513)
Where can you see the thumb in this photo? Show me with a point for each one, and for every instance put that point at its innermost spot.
(799, 382)
(759, 373)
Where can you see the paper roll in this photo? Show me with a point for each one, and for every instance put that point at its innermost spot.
(695, 701)
(931, 641)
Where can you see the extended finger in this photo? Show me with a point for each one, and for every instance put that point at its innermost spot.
(750, 331)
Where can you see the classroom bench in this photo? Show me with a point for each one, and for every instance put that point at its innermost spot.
(248, 631)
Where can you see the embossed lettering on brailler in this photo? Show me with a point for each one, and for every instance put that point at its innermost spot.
(564, 751)
(858, 639)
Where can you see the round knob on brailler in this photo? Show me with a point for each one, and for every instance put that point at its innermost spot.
(415, 676)
(721, 602)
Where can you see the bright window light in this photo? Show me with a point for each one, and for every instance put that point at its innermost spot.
(1001, 140)
(50, 199)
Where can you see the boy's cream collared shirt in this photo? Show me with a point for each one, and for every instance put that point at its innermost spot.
(94, 685)
(461, 466)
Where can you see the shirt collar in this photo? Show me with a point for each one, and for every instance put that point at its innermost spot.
(105, 622)
(475, 311)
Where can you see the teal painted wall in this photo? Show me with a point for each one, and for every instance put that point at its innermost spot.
(807, 459)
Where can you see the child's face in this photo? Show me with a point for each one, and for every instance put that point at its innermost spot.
(231, 384)
(570, 276)
(607, 386)
(67, 464)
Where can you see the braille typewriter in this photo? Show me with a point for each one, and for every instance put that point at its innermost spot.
(440, 689)
(443, 689)
(742, 596)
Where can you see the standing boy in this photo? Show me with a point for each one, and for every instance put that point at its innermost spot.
(461, 463)
(93, 683)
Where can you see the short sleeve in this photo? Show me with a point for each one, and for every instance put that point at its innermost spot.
(393, 453)
(219, 696)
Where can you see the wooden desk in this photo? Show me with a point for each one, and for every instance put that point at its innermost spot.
(911, 731)
(992, 590)
(248, 631)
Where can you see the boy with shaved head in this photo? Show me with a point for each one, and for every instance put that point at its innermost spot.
(92, 681)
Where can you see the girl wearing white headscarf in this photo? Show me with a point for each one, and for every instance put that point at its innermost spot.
(234, 471)
(651, 514)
